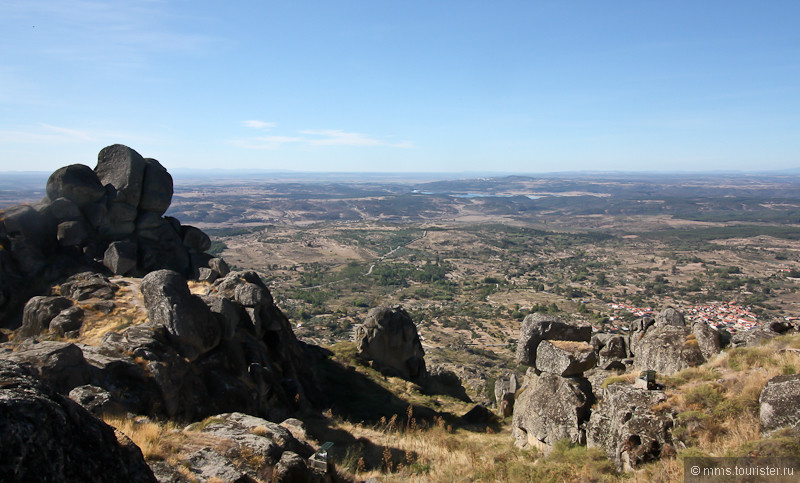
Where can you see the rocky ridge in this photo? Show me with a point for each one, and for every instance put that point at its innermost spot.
(152, 346)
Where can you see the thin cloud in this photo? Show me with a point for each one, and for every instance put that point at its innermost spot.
(313, 137)
(259, 124)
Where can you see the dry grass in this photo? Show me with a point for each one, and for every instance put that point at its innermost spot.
(626, 378)
(571, 346)
(157, 440)
(393, 451)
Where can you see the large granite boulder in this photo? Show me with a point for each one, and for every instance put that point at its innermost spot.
(39, 312)
(538, 327)
(624, 424)
(610, 349)
(123, 168)
(668, 345)
(550, 408)
(708, 339)
(30, 236)
(670, 316)
(76, 183)
(48, 437)
(565, 358)
(389, 338)
(188, 320)
(779, 404)
(157, 188)
(59, 364)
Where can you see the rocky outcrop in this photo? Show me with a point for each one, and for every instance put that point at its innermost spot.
(236, 364)
(555, 399)
(389, 338)
(624, 424)
(242, 448)
(667, 345)
(550, 408)
(48, 437)
(778, 404)
(565, 358)
(611, 350)
(538, 327)
(190, 324)
(109, 217)
(762, 333)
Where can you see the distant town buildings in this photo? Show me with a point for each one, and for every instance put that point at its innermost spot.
(717, 314)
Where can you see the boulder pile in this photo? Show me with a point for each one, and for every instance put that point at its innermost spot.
(109, 217)
(555, 399)
(230, 349)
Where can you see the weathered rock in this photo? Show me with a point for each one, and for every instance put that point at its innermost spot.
(162, 248)
(77, 183)
(261, 437)
(670, 316)
(47, 437)
(389, 338)
(756, 336)
(72, 233)
(252, 295)
(122, 213)
(505, 386)
(207, 464)
(67, 320)
(666, 349)
(297, 428)
(220, 266)
(708, 339)
(31, 237)
(195, 239)
(625, 426)
(550, 408)
(538, 327)
(59, 364)
(188, 320)
(779, 404)
(292, 468)
(39, 312)
(96, 400)
(441, 380)
(207, 275)
(123, 168)
(86, 285)
(157, 188)
(565, 358)
(63, 209)
(166, 473)
(120, 257)
(226, 313)
(611, 348)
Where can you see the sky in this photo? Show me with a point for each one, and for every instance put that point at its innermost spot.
(403, 86)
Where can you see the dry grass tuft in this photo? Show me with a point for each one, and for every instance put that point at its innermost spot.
(158, 441)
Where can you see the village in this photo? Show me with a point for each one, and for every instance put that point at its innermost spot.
(727, 315)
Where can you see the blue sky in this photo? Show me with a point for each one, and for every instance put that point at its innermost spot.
(513, 86)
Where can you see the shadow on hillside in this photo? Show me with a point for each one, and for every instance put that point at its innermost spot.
(356, 398)
(348, 450)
